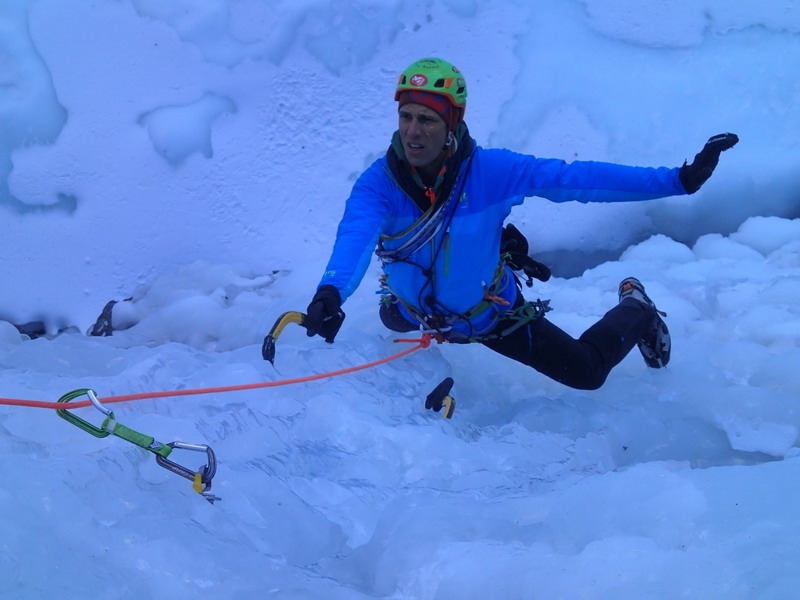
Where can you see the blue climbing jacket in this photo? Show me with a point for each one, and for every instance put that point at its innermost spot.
(459, 265)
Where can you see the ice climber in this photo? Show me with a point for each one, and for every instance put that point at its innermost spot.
(434, 207)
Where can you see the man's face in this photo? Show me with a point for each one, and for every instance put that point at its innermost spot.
(423, 134)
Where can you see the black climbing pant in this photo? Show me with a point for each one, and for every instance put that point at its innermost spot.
(582, 363)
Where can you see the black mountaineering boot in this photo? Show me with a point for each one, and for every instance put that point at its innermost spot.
(655, 345)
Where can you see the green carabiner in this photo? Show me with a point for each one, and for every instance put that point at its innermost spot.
(76, 420)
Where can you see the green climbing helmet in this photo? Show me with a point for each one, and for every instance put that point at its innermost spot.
(436, 76)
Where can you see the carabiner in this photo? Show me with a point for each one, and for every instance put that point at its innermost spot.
(201, 479)
(96, 403)
(99, 432)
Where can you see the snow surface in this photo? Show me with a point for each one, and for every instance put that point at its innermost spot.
(190, 159)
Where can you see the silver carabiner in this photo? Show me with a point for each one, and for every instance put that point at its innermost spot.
(93, 399)
(206, 472)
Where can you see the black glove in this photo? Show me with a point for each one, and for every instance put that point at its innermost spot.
(324, 316)
(515, 245)
(696, 174)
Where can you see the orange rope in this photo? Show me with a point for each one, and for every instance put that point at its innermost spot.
(421, 343)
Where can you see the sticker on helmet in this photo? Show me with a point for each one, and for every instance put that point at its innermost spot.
(418, 80)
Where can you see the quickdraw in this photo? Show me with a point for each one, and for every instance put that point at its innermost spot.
(201, 479)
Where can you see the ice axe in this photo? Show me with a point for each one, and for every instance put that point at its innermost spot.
(268, 347)
(440, 398)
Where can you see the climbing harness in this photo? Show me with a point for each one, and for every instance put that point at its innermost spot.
(522, 315)
(201, 479)
(443, 325)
